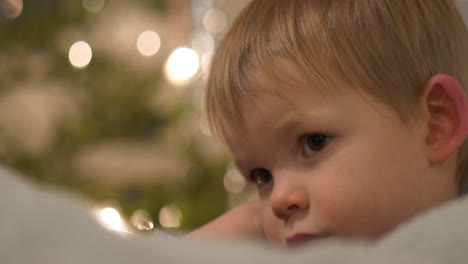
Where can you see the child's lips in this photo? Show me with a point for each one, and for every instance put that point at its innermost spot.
(300, 239)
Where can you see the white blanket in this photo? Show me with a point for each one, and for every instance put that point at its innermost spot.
(41, 225)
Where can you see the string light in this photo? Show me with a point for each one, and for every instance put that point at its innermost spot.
(182, 65)
(234, 182)
(203, 42)
(111, 219)
(12, 8)
(215, 20)
(170, 216)
(142, 220)
(93, 6)
(80, 54)
(206, 62)
(148, 43)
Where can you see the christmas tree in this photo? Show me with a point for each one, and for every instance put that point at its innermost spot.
(104, 98)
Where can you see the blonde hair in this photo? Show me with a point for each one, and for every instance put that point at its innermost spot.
(387, 48)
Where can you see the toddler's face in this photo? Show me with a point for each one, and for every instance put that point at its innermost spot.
(333, 164)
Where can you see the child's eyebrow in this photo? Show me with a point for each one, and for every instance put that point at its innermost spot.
(292, 124)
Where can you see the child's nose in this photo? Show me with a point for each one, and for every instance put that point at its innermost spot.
(288, 198)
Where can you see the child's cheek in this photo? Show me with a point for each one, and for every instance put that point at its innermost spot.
(338, 204)
(349, 215)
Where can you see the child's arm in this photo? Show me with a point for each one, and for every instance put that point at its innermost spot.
(243, 221)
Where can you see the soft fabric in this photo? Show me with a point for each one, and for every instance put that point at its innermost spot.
(41, 225)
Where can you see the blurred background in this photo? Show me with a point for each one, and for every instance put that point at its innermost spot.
(104, 98)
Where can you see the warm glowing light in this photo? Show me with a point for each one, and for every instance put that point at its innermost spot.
(142, 220)
(111, 219)
(80, 54)
(148, 43)
(170, 216)
(234, 182)
(206, 62)
(203, 42)
(182, 65)
(215, 20)
(12, 8)
(93, 6)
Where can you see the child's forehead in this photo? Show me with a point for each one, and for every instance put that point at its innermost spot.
(283, 78)
(286, 86)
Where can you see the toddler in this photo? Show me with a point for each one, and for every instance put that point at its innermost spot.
(349, 116)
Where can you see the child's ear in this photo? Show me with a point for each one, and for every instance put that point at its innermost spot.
(445, 103)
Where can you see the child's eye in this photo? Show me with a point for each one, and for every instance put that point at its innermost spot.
(260, 177)
(314, 143)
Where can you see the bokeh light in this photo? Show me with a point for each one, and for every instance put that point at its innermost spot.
(215, 20)
(111, 219)
(206, 62)
(142, 220)
(129, 145)
(93, 6)
(148, 43)
(234, 182)
(12, 8)
(80, 54)
(182, 65)
(203, 42)
(170, 216)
